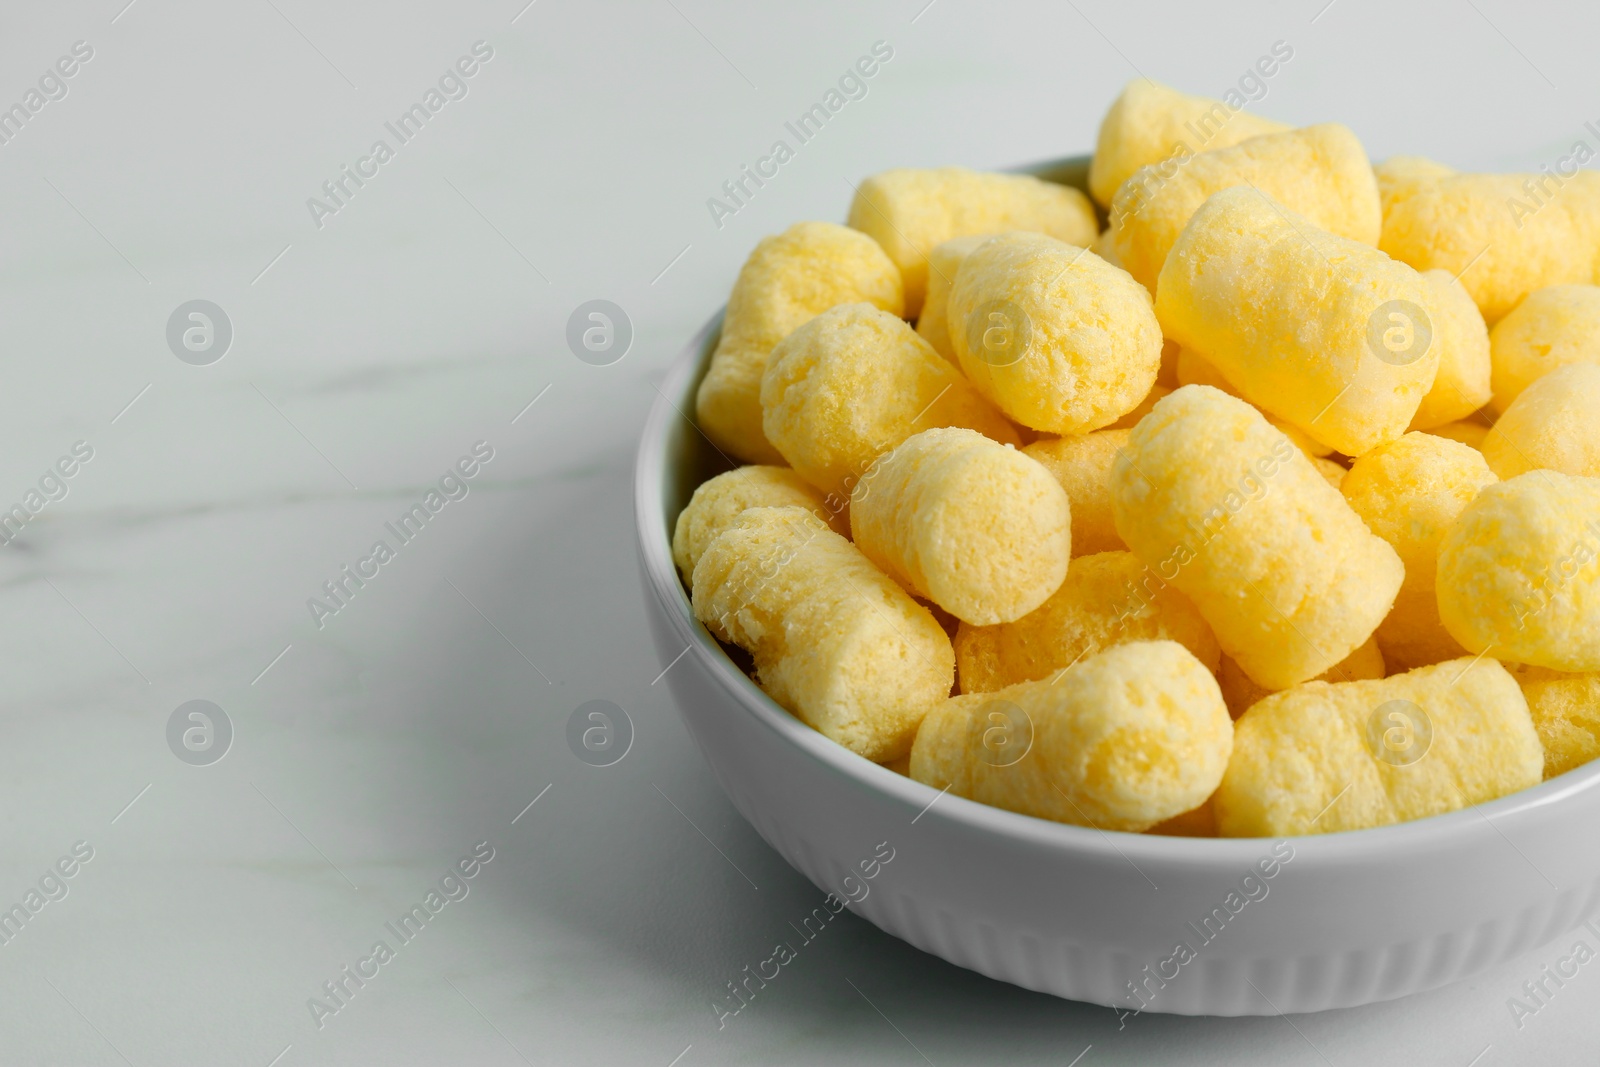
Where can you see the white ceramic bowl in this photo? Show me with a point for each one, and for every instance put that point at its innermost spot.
(1349, 919)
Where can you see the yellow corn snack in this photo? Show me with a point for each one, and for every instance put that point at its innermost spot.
(910, 211)
(1409, 492)
(1551, 328)
(1469, 432)
(720, 500)
(1100, 604)
(1519, 572)
(854, 382)
(1461, 385)
(1493, 231)
(789, 278)
(1566, 713)
(943, 262)
(1271, 509)
(1082, 464)
(1194, 369)
(1553, 424)
(1225, 508)
(1239, 692)
(1401, 177)
(1126, 739)
(1320, 758)
(834, 640)
(977, 527)
(1150, 123)
(1057, 337)
(1322, 331)
(1319, 173)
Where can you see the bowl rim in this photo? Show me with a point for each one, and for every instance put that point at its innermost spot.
(653, 526)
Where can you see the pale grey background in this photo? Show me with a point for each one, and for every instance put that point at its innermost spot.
(373, 353)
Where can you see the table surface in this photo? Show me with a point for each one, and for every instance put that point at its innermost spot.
(382, 331)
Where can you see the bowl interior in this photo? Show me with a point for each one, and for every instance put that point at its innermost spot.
(675, 457)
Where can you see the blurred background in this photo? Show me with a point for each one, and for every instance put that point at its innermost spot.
(360, 339)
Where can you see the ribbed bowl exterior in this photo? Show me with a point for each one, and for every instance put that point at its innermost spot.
(1141, 923)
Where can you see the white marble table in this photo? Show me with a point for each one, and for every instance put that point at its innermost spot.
(373, 346)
